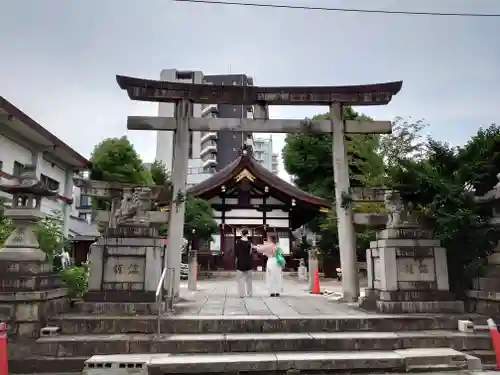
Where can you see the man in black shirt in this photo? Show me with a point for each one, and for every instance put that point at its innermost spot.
(244, 264)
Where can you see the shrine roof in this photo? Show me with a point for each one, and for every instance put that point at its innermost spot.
(248, 162)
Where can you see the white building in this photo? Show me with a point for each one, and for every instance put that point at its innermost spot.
(164, 139)
(263, 153)
(25, 142)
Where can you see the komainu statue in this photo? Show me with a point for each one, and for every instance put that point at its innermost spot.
(134, 207)
(399, 213)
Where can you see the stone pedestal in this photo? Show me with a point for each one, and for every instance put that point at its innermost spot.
(29, 294)
(193, 269)
(407, 273)
(485, 293)
(302, 271)
(125, 265)
(484, 298)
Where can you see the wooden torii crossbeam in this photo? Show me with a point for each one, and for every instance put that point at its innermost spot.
(185, 94)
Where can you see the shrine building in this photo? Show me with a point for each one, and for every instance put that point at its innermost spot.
(247, 195)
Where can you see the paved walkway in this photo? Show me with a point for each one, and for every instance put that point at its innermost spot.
(220, 297)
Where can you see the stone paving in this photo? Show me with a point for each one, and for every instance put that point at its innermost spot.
(220, 297)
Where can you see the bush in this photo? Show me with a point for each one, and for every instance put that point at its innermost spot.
(76, 280)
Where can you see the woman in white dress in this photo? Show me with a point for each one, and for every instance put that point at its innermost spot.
(274, 274)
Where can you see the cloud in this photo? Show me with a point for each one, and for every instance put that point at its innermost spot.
(60, 59)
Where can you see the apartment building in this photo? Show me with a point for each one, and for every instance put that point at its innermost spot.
(209, 151)
(227, 145)
(165, 140)
(23, 141)
(263, 153)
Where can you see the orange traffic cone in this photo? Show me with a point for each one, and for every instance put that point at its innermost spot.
(315, 287)
(4, 369)
(495, 338)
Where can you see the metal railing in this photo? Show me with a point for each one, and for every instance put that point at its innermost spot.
(168, 304)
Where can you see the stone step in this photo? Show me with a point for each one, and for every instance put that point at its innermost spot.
(405, 360)
(88, 345)
(107, 324)
(487, 357)
(42, 365)
(343, 361)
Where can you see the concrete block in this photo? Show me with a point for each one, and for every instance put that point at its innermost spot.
(465, 326)
(50, 331)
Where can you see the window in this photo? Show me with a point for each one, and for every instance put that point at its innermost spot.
(1, 165)
(49, 182)
(18, 169)
(85, 201)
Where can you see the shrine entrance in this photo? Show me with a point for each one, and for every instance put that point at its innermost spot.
(185, 95)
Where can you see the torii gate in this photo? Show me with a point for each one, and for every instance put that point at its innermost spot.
(185, 94)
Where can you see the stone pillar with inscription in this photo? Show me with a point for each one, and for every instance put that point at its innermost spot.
(193, 269)
(29, 291)
(126, 263)
(484, 298)
(407, 267)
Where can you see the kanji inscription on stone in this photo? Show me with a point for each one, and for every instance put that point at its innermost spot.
(411, 269)
(124, 270)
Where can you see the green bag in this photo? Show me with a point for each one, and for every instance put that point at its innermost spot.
(280, 259)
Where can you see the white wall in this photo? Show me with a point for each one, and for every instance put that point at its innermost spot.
(263, 150)
(10, 151)
(57, 173)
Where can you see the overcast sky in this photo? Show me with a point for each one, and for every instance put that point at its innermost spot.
(59, 58)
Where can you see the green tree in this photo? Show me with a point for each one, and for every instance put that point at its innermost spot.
(198, 218)
(308, 157)
(49, 233)
(484, 150)
(439, 185)
(160, 174)
(116, 160)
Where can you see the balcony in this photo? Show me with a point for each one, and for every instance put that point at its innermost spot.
(209, 161)
(207, 147)
(207, 135)
(211, 110)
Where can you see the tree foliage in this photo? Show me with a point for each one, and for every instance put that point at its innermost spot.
(198, 217)
(49, 233)
(199, 220)
(308, 157)
(439, 185)
(160, 174)
(115, 159)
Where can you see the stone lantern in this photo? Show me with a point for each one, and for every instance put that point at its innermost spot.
(25, 211)
(28, 287)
